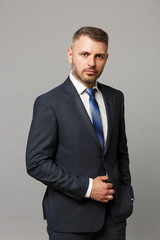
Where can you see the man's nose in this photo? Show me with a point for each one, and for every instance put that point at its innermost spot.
(91, 61)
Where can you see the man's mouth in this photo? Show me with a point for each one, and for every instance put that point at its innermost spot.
(91, 72)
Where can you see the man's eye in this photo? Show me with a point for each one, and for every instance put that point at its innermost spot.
(100, 56)
(84, 54)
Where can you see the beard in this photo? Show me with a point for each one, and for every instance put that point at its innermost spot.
(83, 79)
(90, 80)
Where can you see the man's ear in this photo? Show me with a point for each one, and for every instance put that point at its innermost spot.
(69, 53)
(107, 56)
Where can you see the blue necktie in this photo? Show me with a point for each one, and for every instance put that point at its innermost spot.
(96, 117)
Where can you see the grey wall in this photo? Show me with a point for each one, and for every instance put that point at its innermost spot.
(34, 36)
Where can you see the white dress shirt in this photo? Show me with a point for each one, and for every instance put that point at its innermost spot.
(85, 99)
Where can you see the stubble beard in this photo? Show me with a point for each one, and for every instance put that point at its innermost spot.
(90, 81)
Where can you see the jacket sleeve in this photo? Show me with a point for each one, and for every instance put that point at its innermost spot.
(41, 151)
(123, 155)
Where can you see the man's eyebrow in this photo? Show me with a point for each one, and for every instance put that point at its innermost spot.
(100, 54)
(84, 51)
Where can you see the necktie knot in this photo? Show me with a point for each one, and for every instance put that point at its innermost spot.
(91, 91)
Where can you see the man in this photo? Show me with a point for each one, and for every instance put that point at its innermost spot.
(77, 146)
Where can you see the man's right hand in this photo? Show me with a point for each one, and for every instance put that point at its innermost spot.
(102, 190)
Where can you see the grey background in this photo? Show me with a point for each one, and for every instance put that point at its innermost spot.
(34, 37)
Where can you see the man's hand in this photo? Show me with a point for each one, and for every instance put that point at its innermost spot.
(101, 190)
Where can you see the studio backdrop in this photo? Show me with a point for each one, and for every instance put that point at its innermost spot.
(34, 37)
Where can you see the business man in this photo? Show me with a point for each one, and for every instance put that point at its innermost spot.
(77, 147)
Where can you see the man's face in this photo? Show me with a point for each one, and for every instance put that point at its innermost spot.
(88, 58)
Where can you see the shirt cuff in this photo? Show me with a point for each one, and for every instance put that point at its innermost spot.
(88, 193)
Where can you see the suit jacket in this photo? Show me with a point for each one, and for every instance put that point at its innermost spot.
(63, 152)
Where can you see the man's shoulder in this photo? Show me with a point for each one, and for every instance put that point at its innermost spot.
(54, 97)
(110, 90)
(53, 92)
(56, 92)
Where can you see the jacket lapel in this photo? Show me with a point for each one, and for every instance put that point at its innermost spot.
(109, 110)
(79, 109)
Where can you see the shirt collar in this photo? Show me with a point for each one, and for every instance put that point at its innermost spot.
(79, 86)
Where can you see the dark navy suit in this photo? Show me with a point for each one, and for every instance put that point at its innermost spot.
(63, 152)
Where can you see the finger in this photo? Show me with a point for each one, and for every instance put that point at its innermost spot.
(104, 178)
(109, 185)
(105, 201)
(111, 192)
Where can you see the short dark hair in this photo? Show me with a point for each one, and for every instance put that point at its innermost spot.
(94, 33)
